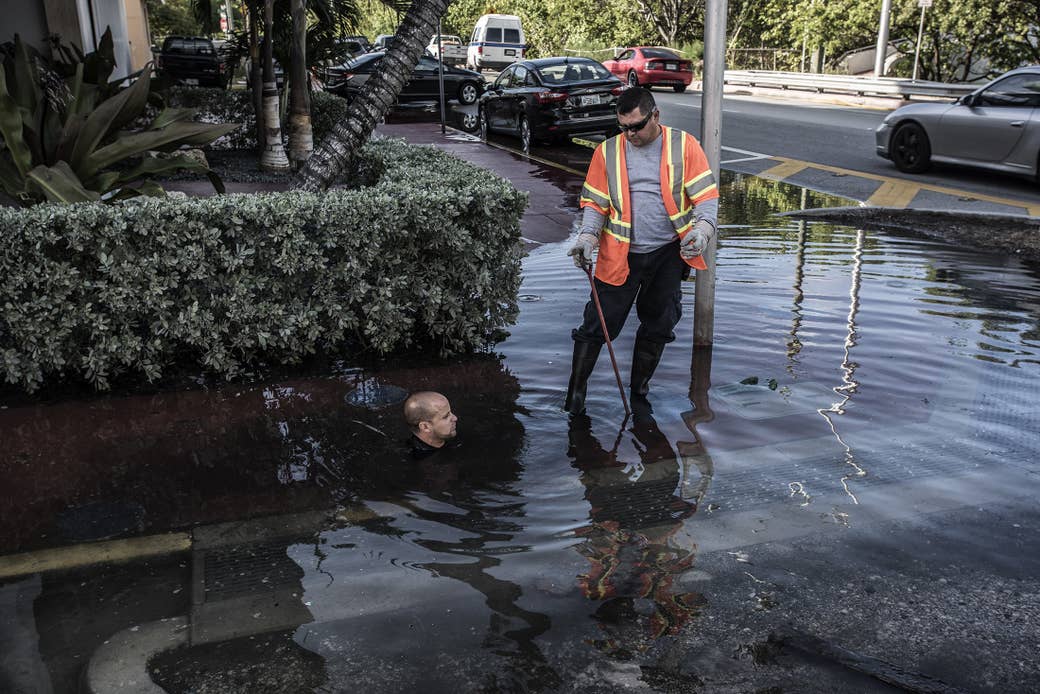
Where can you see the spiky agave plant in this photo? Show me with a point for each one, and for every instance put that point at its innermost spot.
(70, 140)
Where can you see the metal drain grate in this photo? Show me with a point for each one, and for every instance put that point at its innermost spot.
(246, 570)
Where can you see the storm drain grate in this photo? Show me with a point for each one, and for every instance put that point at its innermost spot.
(247, 570)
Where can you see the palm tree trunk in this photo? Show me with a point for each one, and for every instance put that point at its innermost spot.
(334, 153)
(255, 87)
(301, 141)
(273, 157)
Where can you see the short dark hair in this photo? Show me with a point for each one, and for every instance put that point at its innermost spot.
(636, 97)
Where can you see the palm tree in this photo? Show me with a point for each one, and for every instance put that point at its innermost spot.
(334, 153)
(273, 157)
(301, 141)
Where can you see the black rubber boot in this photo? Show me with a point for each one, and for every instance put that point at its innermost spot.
(645, 357)
(585, 356)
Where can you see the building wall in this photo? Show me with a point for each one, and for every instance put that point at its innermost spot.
(138, 34)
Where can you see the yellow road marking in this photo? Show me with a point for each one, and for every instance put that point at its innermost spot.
(785, 169)
(894, 193)
(584, 143)
(64, 558)
(921, 186)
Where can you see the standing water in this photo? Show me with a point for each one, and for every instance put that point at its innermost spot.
(851, 467)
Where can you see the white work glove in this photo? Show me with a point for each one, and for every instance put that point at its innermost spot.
(583, 249)
(695, 242)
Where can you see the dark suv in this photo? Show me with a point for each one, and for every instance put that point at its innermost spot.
(194, 60)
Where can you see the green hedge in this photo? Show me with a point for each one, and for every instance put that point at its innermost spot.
(426, 257)
(235, 106)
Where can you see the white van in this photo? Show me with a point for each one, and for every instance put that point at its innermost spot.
(497, 41)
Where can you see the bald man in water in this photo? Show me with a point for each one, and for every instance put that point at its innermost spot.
(431, 420)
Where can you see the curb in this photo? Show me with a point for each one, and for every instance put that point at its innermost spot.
(1013, 234)
(120, 666)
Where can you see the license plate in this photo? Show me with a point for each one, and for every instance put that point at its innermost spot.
(590, 100)
(191, 80)
(510, 51)
(671, 66)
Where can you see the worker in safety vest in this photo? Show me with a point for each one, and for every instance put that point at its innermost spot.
(650, 205)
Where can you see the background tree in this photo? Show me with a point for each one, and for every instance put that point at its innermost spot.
(172, 18)
(273, 157)
(301, 141)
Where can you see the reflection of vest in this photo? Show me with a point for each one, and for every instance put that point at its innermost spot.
(686, 180)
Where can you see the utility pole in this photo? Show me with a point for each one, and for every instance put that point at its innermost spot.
(923, 4)
(882, 39)
(711, 141)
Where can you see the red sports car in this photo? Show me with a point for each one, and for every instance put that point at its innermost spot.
(649, 66)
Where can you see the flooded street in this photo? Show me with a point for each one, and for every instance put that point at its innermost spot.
(839, 496)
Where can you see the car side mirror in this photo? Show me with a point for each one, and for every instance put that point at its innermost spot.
(968, 100)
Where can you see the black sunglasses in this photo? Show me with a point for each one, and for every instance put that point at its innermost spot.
(637, 126)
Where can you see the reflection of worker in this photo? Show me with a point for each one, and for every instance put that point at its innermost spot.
(649, 203)
(636, 542)
(431, 420)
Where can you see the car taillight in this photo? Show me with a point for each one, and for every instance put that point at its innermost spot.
(617, 90)
(550, 97)
(651, 66)
(480, 50)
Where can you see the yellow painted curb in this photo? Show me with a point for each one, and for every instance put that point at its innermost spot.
(75, 556)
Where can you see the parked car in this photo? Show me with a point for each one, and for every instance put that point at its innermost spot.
(356, 44)
(551, 98)
(498, 40)
(454, 50)
(996, 127)
(464, 85)
(652, 66)
(383, 42)
(194, 60)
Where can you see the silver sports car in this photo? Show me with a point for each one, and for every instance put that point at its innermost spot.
(996, 127)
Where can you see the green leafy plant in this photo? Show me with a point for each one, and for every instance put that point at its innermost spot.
(68, 140)
(425, 258)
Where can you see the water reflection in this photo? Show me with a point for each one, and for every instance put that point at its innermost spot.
(636, 541)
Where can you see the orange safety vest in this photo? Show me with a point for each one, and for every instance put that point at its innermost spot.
(686, 180)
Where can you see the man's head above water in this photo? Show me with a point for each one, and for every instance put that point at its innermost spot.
(430, 418)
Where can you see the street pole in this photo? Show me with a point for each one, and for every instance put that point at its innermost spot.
(923, 4)
(440, 73)
(882, 39)
(711, 141)
(230, 16)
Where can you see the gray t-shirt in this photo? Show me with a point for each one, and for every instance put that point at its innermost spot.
(651, 227)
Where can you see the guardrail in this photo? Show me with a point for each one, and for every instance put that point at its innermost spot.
(894, 87)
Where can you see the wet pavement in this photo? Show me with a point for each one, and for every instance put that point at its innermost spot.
(839, 496)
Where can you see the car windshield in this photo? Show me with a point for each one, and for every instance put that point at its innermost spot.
(572, 72)
(446, 40)
(660, 53)
(189, 46)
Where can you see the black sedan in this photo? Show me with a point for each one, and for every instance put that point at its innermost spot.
(550, 99)
(464, 85)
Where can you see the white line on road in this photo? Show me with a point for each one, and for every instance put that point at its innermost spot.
(754, 155)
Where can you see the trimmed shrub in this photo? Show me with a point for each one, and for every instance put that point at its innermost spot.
(426, 257)
(214, 105)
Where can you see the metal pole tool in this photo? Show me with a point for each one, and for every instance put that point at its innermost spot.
(606, 337)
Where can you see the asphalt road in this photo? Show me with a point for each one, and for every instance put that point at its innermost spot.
(762, 132)
(833, 135)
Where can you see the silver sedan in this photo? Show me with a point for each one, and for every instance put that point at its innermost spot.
(996, 127)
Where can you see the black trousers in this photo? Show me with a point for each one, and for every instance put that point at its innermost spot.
(654, 284)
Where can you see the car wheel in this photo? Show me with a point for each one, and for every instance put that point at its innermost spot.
(483, 125)
(679, 88)
(525, 134)
(633, 80)
(911, 151)
(469, 122)
(468, 93)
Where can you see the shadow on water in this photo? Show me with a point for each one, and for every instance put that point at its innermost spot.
(866, 395)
